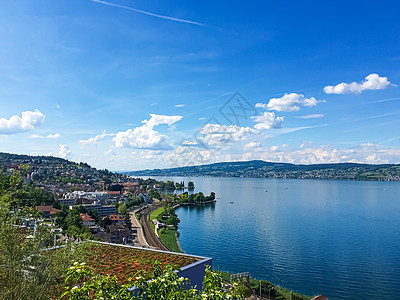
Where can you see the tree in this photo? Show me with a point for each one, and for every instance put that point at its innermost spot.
(122, 209)
(74, 218)
(95, 215)
(170, 185)
(173, 220)
(199, 198)
(26, 272)
(191, 185)
(211, 197)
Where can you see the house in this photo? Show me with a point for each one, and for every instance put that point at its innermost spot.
(47, 210)
(120, 234)
(113, 193)
(146, 197)
(102, 210)
(67, 201)
(117, 219)
(87, 220)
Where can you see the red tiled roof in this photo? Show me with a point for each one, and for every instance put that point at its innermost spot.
(44, 208)
(113, 192)
(117, 218)
(86, 217)
(130, 184)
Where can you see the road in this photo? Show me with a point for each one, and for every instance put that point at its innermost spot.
(139, 230)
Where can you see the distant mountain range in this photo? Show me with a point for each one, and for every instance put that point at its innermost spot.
(263, 169)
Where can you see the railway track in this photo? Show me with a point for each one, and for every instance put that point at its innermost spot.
(149, 234)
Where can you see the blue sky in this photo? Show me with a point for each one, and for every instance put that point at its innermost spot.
(128, 85)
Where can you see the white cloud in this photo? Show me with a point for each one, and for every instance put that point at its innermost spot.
(307, 154)
(109, 152)
(246, 156)
(261, 105)
(313, 116)
(267, 121)
(189, 143)
(371, 82)
(289, 102)
(94, 140)
(310, 102)
(53, 136)
(180, 105)
(375, 159)
(251, 145)
(217, 134)
(189, 156)
(151, 155)
(64, 151)
(36, 136)
(145, 136)
(29, 120)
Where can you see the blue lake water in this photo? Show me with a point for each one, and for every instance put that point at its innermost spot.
(339, 238)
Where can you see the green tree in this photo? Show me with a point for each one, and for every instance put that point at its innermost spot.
(122, 209)
(173, 220)
(26, 272)
(170, 185)
(199, 198)
(74, 218)
(191, 185)
(164, 284)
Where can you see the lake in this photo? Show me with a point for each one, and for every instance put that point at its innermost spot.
(338, 238)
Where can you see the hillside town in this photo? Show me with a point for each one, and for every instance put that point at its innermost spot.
(81, 201)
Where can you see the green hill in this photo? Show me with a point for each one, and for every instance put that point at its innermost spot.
(263, 169)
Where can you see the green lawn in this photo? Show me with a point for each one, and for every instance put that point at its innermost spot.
(168, 236)
(154, 215)
(169, 239)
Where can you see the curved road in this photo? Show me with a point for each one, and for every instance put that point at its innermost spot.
(139, 229)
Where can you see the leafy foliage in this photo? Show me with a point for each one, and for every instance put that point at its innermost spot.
(27, 272)
(164, 284)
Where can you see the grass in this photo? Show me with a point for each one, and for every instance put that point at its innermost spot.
(168, 237)
(154, 215)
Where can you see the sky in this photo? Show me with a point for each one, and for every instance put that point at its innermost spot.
(130, 85)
